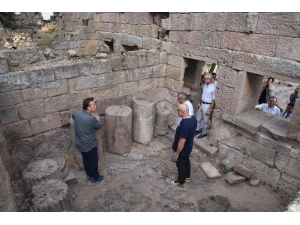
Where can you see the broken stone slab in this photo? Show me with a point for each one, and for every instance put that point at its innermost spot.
(143, 116)
(205, 147)
(161, 122)
(254, 182)
(51, 196)
(63, 166)
(277, 127)
(72, 53)
(118, 129)
(71, 178)
(243, 170)
(210, 170)
(234, 178)
(40, 170)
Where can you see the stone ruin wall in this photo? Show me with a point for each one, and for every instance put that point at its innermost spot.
(150, 54)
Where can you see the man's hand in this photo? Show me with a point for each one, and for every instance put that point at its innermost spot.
(176, 157)
(259, 109)
(208, 112)
(199, 105)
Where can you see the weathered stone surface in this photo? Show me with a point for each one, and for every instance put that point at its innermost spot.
(142, 59)
(117, 63)
(102, 105)
(209, 170)
(252, 19)
(62, 102)
(174, 73)
(40, 170)
(44, 123)
(230, 157)
(236, 141)
(243, 170)
(28, 110)
(71, 178)
(209, 21)
(180, 36)
(144, 112)
(101, 66)
(3, 65)
(65, 115)
(277, 126)
(254, 43)
(205, 147)
(33, 93)
(9, 115)
(118, 129)
(131, 62)
(180, 21)
(66, 71)
(254, 182)
(14, 81)
(281, 161)
(63, 165)
(139, 18)
(55, 88)
(206, 38)
(292, 168)
(105, 93)
(288, 48)
(117, 77)
(131, 40)
(146, 85)
(161, 122)
(20, 129)
(153, 58)
(87, 82)
(156, 94)
(7, 198)
(139, 74)
(51, 196)
(236, 22)
(163, 58)
(287, 187)
(85, 68)
(234, 178)
(173, 84)
(295, 153)
(251, 120)
(278, 23)
(127, 88)
(260, 152)
(262, 171)
(10, 98)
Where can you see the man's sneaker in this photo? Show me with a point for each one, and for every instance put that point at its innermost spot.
(176, 182)
(187, 180)
(88, 178)
(99, 179)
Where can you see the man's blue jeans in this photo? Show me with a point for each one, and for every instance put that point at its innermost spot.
(90, 162)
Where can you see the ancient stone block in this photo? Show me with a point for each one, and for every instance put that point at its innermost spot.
(33, 93)
(180, 36)
(70, 178)
(28, 110)
(159, 70)
(157, 94)
(9, 115)
(151, 43)
(139, 74)
(230, 156)
(127, 88)
(262, 171)
(292, 168)
(288, 48)
(123, 28)
(131, 40)
(277, 126)
(252, 19)
(139, 18)
(227, 96)
(260, 152)
(180, 21)
(153, 58)
(144, 30)
(143, 114)
(243, 170)
(41, 75)
(209, 21)
(287, 187)
(206, 38)
(236, 22)
(254, 43)
(209, 170)
(10, 98)
(115, 77)
(234, 178)
(173, 84)
(117, 63)
(14, 81)
(84, 68)
(131, 62)
(102, 105)
(45, 122)
(62, 102)
(295, 153)
(54, 88)
(3, 65)
(281, 161)
(86, 15)
(145, 85)
(86, 82)
(142, 59)
(104, 93)
(206, 147)
(111, 17)
(163, 58)
(118, 129)
(175, 61)
(66, 71)
(278, 23)
(161, 122)
(105, 27)
(65, 116)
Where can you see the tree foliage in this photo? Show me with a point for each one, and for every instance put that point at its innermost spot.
(7, 19)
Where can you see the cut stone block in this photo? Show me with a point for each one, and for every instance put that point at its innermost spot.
(210, 170)
(118, 129)
(39, 171)
(63, 166)
(161, 122)
(277, 126)
(254, 182)
(243, 170)
(71, 178)
(51, 196)
(234, 178)
(205, 147)
(144, 112)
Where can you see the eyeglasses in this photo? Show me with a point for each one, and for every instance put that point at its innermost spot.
(206, 78)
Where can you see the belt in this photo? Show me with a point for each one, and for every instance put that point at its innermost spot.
(206, 102)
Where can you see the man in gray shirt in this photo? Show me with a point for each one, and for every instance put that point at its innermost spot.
(85, 140)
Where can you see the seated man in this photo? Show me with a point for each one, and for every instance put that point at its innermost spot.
(288, 111)
(269, 107)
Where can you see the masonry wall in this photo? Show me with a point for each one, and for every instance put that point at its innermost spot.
(246, 47)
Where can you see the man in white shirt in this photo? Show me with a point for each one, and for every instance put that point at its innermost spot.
(269, 107)
(182, 98)
(206, 104)
(287, 114)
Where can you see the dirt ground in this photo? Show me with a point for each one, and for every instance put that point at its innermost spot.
(140, 182)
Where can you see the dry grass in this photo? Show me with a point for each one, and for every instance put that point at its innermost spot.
(49, 27)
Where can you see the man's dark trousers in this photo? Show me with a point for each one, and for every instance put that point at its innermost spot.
(184, 168)
(90, 162)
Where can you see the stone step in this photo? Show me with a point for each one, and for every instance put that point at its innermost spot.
(234, 178)
(71, 178)
(39, 171)
(243, 170)
(207, 148)
(51, 196)
(210, 170)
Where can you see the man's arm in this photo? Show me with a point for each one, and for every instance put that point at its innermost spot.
(179, 147)
(96, 124)
(210, 107)
(258, 107)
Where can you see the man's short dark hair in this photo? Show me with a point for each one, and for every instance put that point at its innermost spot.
(86, 103)
(271, 78)
(291, 104)
(273, 97)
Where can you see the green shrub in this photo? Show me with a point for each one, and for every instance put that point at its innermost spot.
(45, 42)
